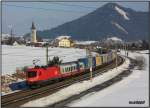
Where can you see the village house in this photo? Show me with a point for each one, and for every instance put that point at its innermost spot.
(65, 41)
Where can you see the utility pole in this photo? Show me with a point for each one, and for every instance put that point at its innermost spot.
(87, 52)
(11, 35)
(90, 64)
(46, 54)
(91, 74)
(116, 57)
(89, 56)
(127, 49)
(116, 60)
(124, 48)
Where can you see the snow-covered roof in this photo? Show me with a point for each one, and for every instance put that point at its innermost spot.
(15, 43)
(5, 35)
(114, 39)
(62, 37)
(85, 42)
(8, 35)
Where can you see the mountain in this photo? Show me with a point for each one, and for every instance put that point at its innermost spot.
(110, 20)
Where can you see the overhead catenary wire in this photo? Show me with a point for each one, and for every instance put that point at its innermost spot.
(61, 10)
(45, 9)
(87, 7)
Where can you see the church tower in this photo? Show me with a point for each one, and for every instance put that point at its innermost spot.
(33, 33)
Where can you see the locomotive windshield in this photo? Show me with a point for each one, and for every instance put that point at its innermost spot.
(32, 74)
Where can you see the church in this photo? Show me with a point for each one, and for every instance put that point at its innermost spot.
(33, 37)
(33, 33)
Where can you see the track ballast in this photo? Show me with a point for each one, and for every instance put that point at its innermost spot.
(18, 98)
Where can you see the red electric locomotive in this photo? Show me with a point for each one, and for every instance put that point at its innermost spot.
(36, 76)
(42, 75)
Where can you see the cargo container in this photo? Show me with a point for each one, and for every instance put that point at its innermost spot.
(109, 57)
(85, 61)
(101, 57)
(114, 55)
(94, 62)
(98, 60)
(104, 58)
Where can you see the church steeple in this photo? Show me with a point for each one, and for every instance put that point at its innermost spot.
(33, 33)
(33, 26)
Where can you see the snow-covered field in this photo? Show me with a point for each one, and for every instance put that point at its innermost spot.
(132, 88)
(20, 56)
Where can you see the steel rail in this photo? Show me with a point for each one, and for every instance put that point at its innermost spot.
(10, 99)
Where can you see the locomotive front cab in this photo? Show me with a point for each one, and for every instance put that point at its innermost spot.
(32, 76)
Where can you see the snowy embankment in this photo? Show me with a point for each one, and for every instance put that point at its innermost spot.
(19, 56)
(77, 88)
(130, 89)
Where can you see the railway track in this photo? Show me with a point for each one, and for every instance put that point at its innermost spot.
(18, 98)
(99, 87)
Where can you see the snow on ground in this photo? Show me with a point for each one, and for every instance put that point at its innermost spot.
(76, 88)
(122, 12)
(20, 56)
(131, 88)
(85, 42)
(143, 52)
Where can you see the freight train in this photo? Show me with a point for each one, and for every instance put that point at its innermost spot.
(41, 75)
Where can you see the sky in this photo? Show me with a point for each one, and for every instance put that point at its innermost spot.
(47, 15)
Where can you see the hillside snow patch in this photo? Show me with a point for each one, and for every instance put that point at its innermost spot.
(122, 13)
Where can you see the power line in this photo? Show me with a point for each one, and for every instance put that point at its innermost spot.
(45, 9)
(58, 10)
(76, 5)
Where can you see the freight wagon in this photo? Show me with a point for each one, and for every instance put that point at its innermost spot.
(39, 75)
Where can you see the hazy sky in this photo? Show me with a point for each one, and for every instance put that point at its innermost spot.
(47, 15)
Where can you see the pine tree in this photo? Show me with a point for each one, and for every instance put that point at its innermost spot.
(54, 61)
